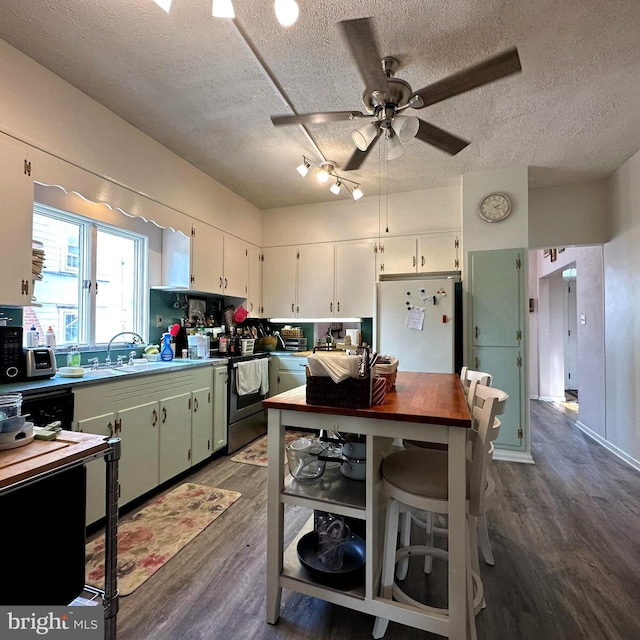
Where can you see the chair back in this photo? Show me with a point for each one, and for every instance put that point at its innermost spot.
(488, 403)
(467, 376)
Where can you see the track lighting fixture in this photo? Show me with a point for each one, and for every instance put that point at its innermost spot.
(222, 9)
(286, 10)
(164, 4)
(327, 170)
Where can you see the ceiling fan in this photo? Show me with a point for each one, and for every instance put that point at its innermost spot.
(386, 97)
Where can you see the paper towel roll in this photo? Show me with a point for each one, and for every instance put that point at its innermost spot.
(354, 334)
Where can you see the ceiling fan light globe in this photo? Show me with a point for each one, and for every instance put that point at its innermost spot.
(406, 127)
(335, 188)
(356, 194)
(323, 175)
(222, 9)
(394, 148)
(287, 12)
(364, 136)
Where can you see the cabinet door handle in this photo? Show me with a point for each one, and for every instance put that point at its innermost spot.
(293, 307)
(221, 282)
(251, 307)
(414, 261)
(422, 262)
(338, 307)
(164, 414)
(195, 404)
(476, 332)
(154, 422)
(226, 282)
(331, 307)
(477, 361)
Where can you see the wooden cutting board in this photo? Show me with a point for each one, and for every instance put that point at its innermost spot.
(42, 456)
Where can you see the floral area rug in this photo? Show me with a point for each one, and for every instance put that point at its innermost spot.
(150, 538)
(257, 452)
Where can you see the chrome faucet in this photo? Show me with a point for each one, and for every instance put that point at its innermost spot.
(137, 339)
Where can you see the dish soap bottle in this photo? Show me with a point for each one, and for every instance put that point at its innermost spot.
(167, 352)
(73, 357)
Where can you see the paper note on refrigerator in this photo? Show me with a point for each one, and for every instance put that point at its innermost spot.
(415, 318)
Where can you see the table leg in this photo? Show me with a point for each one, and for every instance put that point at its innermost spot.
(458, 612)
(111, 602)
(275, 514)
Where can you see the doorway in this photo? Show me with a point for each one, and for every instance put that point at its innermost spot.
(570, 322)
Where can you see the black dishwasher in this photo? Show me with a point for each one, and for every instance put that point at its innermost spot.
(44, 522)
(45, 406)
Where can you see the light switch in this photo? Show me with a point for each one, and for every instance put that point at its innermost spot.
(583, 318)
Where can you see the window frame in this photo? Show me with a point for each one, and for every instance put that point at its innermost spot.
(87, 273)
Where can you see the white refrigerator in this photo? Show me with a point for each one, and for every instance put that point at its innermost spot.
(416, 323)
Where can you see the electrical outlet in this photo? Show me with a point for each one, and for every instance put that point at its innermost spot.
(159, 321)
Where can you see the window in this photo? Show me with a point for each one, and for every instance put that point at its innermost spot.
(94, 279)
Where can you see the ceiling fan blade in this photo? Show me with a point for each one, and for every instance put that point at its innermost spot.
(359, 157)
(491, 69)
(359, 36)
(316, 118)
(440, 138)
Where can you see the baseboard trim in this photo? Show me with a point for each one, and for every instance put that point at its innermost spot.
(504, 455)
(625, 457)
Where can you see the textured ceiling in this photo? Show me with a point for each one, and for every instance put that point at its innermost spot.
(189, 81)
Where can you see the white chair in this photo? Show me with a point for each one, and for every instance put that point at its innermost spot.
(417, 479)
(466, 378)
(467, 375)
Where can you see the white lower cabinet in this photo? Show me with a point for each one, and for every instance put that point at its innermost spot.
(290, 372)
(175, 435)
(166, 424)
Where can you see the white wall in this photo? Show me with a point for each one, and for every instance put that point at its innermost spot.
(73, 130)
(622, 310)
(408, 214)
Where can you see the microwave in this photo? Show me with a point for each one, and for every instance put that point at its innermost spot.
(11, 354)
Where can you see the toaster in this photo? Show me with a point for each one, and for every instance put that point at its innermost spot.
(39, 362)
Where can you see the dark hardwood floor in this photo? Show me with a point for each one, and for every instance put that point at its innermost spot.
(565, 534)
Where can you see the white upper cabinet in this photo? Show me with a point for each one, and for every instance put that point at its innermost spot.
(279, 277)
(433, 252)
(207, 274)
(236, 267)
(438, 252)
(396, 255)
(16, 206)
(254, 301)
(316, 275)
(319, 281)
(355, 280)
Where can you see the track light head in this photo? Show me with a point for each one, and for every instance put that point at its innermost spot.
(335, 188)
(303, 169)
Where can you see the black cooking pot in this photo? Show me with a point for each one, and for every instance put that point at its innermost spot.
(352, 570)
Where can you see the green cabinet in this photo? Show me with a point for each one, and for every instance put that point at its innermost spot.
(496, 333)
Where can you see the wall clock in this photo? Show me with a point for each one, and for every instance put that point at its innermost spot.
(495, 207)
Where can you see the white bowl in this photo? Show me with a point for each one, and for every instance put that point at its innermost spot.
(71, 372)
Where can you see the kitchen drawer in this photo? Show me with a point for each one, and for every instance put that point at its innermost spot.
(292, 363)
